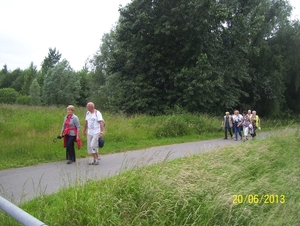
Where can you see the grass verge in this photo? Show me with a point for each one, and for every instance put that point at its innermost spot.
(27, 133)
(214, 188)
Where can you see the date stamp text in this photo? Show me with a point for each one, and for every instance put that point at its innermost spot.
(258, 199)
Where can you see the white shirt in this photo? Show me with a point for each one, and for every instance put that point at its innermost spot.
(93, 122)
(237, 118)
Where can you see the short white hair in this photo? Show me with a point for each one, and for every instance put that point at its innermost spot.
(90, 104)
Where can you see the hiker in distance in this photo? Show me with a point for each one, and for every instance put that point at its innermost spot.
(227, 124)
(255, 123)
(93, 129)
(70, 132)
(237, 119)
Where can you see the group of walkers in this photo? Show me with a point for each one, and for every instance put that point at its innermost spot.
(248, 122)
(235, 124)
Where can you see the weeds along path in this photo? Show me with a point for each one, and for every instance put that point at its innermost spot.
(22, 184)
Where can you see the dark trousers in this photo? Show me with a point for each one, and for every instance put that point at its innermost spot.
(70, 150)
(237, 131)
(254, 131)
(229, 130)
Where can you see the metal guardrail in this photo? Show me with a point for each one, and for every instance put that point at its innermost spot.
(18, 214)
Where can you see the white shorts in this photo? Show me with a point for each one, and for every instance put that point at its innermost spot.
(245, 129)
(92, 143)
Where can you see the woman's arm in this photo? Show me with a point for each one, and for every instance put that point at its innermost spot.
(63, 127)
(77, 124)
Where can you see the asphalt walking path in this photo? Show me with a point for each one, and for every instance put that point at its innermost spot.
(23, 184)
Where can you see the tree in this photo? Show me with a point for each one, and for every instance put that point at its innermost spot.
(29, 75)
(100, 78)
(8, 95)
(61, 85)
(156, 40)
(266, 64)
(85, 90)
(291, 48)
(12, 79)
(199, 54)
(35, 93)
(3, 74)
(49, 62)
(283, 74)
(102, 57)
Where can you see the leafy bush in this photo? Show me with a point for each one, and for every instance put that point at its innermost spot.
(25, 100)
(186, 124)
(174, 126)
(8, 96)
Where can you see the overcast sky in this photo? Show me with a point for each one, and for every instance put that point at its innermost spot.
(28, 28)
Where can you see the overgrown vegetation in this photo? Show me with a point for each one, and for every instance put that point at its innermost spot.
(27, 132)
(197, 190)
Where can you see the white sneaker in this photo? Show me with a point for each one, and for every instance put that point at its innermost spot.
(94, 163)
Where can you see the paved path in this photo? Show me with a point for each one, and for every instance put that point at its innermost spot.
(22, 184)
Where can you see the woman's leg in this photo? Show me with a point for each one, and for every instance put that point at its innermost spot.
(250, 129)
(230, 129)
(236, 132)
(70, 148)
(246, 129)
(240, 132)
(225, 132)
(254, 131)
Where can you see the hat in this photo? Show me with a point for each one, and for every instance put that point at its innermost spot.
(100, 142)
(227, 112)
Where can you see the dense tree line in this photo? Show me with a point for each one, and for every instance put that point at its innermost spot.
(196, 56)
(55, 84)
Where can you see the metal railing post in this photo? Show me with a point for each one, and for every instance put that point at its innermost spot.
(19, 214)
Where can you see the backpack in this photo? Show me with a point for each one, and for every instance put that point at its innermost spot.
(97, 116)
(102, 118)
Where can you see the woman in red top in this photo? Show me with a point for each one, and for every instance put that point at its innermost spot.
(70, 131)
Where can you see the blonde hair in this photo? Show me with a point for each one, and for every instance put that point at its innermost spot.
(71, 107)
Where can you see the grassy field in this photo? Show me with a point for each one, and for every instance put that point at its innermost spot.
(254, 183)
(27, 133)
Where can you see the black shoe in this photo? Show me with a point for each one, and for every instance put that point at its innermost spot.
(69, 162)
(224, 138)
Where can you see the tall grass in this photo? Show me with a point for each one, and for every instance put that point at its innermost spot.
(27, 133)
(196, 190)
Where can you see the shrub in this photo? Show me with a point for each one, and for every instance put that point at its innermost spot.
(24, 100)
(174, 126)
(8, 95)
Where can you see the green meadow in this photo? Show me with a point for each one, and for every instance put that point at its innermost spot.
(27, 133)
(253, 183)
